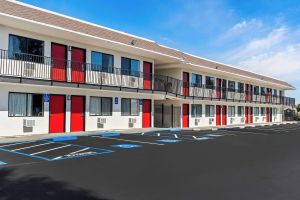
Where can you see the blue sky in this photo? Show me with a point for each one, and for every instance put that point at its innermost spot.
(258, 35)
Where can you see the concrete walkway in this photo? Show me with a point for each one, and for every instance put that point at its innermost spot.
(18, 138)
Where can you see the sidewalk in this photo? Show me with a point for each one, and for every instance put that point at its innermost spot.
(20, 138)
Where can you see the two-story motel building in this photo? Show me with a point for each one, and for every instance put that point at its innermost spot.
(60, 74)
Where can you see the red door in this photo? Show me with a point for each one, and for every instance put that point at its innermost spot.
(185, 77)
(218, 115)
(224, 115)
(78, 60)
(57, 114)
(218, 89)
(267, 114)
(77, 113)
(185, 115)
(59, 64)
(247, 115)
(147, 71)
(146, 113)
(251, 115)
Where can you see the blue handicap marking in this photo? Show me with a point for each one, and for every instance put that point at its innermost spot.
(126, 146)
(2, 163)
(65, 138)
(175, 130)
(169, 140)
(110, 134)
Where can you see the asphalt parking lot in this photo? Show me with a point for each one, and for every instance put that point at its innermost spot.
(249, 163)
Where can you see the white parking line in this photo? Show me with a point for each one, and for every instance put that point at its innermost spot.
(7, 145)
(130, 140)
(59, 157)
(158, 134)
(32, 146)
(50, 150)
(79, 151)
(202, 138)
(175, 135)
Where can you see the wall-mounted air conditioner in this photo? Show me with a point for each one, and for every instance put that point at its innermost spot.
(29, 69)
(197, 122)
(104, 78)
(211, 121)
(131, 122)
(132, 82)
(29, 123)
(242, 120)
(256, 119)
(232, 119)
(101, 122)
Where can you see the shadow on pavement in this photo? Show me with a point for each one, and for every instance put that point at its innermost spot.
(38, 188)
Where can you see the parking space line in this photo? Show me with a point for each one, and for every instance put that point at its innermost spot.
(136, 141)
(50, 150)
(32, 146)
(79, 150)
(7, 145)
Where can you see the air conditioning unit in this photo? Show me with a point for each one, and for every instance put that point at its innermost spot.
(28, 123)
(264, 119)
(242, 120)
(211, 120)
(132, 82)
(101, 122)
(275, 118)
(104, 78)
(29, 69)
(197, 121)
(256, 119)
(132, 120)
(232, 120)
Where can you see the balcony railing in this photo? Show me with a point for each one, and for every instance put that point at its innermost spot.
(67, 71)
(32, 67)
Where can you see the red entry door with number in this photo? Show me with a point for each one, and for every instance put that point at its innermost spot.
(185, 77)
(78, 60)
(251, 114)
(147, 71)
(59, 62)
(146, 113)
(247, 115)
(77, 113)
(57, 114)
(185, 115)
(218, 115)
(224, 115)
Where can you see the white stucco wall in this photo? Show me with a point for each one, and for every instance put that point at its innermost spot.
(14, 125)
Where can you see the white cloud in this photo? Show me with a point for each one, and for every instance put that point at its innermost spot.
(283, 63)
(243, 29)
(277, 54)
(246, 24)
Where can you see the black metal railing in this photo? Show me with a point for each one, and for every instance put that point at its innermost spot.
(35, 67)
(61, 70)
